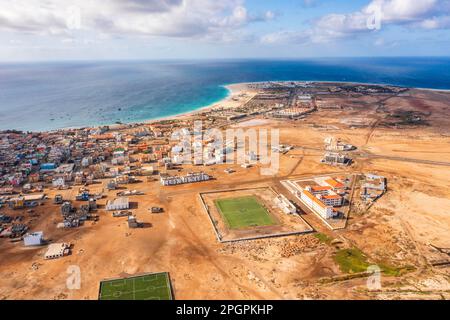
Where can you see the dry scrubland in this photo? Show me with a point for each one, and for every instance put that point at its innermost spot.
(394, 233)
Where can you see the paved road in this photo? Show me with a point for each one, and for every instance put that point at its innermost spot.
(369, 155)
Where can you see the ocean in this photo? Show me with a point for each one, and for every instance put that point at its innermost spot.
(49, 96)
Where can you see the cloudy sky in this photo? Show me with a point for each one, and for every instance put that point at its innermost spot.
(34, 30)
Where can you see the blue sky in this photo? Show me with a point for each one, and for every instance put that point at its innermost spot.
(187, 29)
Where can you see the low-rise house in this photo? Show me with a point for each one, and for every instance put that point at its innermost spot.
(133, 223)
(121, 203)
(58, 182)
(157, 210)
(167, 180)
(18, 230)
(66, 208)
(285, 205)
(335, 158)
(33, 239)
(57, 250)
(5, 219)
(26, 201)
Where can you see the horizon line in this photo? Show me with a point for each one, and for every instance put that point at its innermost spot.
(5, 62)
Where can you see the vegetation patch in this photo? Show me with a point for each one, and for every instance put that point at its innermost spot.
(351, 260)
(395, 271)
(354, 261)
(323, 238)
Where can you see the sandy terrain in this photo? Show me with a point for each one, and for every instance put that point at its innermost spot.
(397, 230)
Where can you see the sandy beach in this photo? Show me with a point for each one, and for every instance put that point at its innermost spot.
(239, 94)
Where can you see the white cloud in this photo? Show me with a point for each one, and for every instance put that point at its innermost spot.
(442, 22)
(169, 18)
(285, 37)
(398, 11)
(425, 14)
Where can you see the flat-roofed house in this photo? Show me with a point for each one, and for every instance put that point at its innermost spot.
(57, 250)
(285, 205)
(121, 203)
(33, 239)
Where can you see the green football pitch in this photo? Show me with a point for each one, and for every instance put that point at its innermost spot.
(147, 287)
(244, 212)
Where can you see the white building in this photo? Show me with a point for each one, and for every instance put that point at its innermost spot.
(375, 182)
(86, 161)
(285, 205)
(177, 149)
(189, 178)
(326, 195)
(198, 160)
(306, 98)
(58, 182)
(178, 159)
(333, 200)
(122, 203)
(333, 144)
(57, 250)
(318, 190)
(33, 239)
(335, 158)
(313, 203)
(147, 170)
(118, 160)
(252, 156)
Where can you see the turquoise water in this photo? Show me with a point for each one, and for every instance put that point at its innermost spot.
(59, 95)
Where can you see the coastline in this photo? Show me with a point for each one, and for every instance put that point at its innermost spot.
(236, 89)
(233, 99)
(238, 94)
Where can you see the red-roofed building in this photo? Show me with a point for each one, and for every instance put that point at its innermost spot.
(333, 200)
(319, 190)
(336, 185)
(312, 202)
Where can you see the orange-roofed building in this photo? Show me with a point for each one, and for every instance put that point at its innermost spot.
(324, 190)
(332, 200)
(335, 185)
(106, 136)
(316, 205)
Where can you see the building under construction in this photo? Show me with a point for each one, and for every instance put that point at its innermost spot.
(122, 203)
(335, 158)
(167, 180)
(333, 144)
